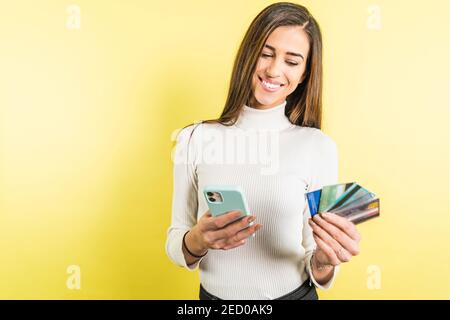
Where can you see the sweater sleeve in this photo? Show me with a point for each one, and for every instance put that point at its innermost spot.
(184, 197)
(324, 171)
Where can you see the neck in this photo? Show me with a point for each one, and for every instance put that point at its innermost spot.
(272, 118)
(253, 103)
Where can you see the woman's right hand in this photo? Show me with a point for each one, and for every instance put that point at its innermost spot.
(221, 232)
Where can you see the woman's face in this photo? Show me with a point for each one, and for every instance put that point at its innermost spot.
(280, 67)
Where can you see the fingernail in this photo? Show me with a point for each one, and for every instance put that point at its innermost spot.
(325, 215)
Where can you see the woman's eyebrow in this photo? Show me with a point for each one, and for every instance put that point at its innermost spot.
(289, 53)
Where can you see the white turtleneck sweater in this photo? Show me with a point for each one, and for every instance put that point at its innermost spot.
(275, 162)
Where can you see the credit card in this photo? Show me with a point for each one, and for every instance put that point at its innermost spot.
(349, 200)
(313, 199)
(331, 193)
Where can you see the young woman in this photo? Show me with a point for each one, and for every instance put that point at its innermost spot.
(274, 99)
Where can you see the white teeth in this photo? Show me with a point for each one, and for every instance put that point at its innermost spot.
(269, 85)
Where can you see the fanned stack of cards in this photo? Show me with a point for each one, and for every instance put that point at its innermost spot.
(348, 200)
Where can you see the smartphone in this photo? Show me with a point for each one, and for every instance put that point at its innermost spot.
(222, 199)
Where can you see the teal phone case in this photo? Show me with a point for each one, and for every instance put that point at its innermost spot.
(230, 198)
(227, 198)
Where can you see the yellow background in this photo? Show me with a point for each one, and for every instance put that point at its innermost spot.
(87, 115)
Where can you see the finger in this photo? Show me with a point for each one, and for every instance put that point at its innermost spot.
(244, 234)
(337, 234)
(221, 221)
(342, 223)
(233, 228)
(238, 244)
(206, 217)
(341, 253)
(329, 252)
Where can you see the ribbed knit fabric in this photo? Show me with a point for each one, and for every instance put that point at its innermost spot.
(275, 162)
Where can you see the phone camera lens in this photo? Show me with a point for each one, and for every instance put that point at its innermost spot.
(209, 194)
(212, 199)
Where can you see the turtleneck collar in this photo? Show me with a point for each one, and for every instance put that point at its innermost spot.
(268, 119)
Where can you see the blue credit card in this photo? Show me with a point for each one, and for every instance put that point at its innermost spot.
(313, 199)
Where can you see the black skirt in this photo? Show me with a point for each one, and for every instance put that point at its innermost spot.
(306, 291)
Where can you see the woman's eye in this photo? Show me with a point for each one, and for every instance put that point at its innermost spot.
(266, 55)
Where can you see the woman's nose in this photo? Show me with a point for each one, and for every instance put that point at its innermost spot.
(273, 70)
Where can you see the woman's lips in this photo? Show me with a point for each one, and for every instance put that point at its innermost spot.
(268, 87)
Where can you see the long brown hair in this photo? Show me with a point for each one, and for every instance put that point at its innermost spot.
(304, 105)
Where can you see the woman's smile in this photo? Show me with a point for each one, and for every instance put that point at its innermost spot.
(270, 86)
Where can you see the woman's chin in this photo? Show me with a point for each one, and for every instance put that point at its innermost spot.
(265, 101)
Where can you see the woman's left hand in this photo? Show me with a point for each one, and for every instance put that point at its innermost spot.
(336, 237)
